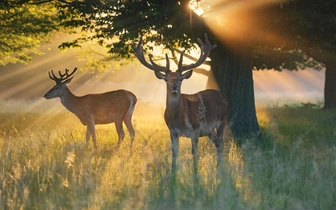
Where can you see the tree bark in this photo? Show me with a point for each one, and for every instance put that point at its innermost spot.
(330, 85)
(232, 69)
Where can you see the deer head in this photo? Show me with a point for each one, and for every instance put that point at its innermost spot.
(173, 79)
(61, 83)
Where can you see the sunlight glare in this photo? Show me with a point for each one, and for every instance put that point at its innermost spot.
(195, 6)
(233, 20)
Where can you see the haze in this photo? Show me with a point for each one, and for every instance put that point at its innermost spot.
(20, 82)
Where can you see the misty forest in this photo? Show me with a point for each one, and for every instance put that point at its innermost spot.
(181, 104)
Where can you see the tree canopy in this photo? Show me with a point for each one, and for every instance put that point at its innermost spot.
(285, 34)
(163, 22)
(288, 35)
(305, 31)
(24, 27)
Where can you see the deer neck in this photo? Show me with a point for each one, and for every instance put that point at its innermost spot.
(174, 106)
(68, 99)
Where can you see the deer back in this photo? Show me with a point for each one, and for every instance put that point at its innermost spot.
(101, 108)
(105, 107)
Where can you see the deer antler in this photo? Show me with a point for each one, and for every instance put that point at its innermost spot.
(62, 77)
(139, 53)
(205, 51)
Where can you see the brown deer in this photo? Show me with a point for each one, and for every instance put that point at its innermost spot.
(193, 116)
(114, 106)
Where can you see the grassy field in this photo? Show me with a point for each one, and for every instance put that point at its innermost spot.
(45, 164)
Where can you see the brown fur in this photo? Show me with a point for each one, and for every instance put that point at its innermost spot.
(115, 106)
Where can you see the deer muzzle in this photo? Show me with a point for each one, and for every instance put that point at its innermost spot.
(46, 96)
(175, 90)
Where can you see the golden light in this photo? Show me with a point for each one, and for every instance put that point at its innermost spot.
(194, 5)
(28, 83)
(232, 21)
(32, 81)
(286, 87)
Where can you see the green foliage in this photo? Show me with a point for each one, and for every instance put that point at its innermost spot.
(161, 22)
(278, 59)
(24, 27)
(45, 164)
(296, 162)
(304, 30)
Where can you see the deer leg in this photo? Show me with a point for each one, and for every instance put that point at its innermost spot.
(92, 129)
(220, 142)
(88, 134)
(120, 131)
(216, 138)
(194, 147)
(175, 146)
(128, 123)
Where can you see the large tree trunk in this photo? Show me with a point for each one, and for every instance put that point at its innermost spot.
(232, 69)
(330, 85)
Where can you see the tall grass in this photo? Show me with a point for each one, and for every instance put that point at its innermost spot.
(45, 164)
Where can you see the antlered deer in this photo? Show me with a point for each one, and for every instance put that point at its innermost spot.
(193, 116)
(114, 106)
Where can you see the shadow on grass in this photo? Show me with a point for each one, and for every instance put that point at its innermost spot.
(292, 165)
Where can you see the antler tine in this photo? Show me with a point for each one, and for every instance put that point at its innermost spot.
(53, 77)
(62, 77)
(69, 75)
(139, 53)
(205, 51)
(166, 69)
(181, 60)
(66, 75)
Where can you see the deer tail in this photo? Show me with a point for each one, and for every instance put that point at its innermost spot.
(133, 100)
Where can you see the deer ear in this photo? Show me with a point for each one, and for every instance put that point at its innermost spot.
(187, 75)
(159, 75)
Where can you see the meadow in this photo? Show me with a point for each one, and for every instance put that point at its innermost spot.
(45, 164)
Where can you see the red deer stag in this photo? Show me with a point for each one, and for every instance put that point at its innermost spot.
(193, 116)
(114, 106)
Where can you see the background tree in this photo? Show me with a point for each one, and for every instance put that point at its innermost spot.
(309, 30)
(24, 27)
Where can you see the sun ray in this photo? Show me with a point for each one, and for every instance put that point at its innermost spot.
(232, 21)
(272, 87)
